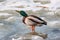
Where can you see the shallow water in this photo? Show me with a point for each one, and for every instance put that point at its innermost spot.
(11, 25)
(15, 28)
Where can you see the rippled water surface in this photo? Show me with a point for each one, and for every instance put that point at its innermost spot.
(12, 27)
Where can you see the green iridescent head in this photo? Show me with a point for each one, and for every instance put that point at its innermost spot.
(23, 13)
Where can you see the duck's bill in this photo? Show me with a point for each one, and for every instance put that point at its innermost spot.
(17, 11)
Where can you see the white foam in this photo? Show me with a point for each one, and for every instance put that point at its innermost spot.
(53, 24)
(7, 5)
(4, 14)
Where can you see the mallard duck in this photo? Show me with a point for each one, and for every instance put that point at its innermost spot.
(32, 20)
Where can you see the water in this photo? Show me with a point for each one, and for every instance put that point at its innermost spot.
(11, 26)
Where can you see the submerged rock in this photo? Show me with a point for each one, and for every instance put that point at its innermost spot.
(29, 38)
(38, 34)
(32, 36)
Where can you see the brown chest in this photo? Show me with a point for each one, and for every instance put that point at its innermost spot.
(24, 20)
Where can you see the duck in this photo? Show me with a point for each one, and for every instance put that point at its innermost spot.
(31, 20)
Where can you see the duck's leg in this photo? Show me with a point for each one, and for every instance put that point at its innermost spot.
(33, 28)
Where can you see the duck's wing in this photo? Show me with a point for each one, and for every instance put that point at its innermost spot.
(36, 17)
(34, 21)
(41, 20)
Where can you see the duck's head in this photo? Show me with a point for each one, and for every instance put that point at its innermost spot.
(23, 13)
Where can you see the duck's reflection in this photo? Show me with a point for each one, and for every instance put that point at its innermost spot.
(32, 36)
(44, 36)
